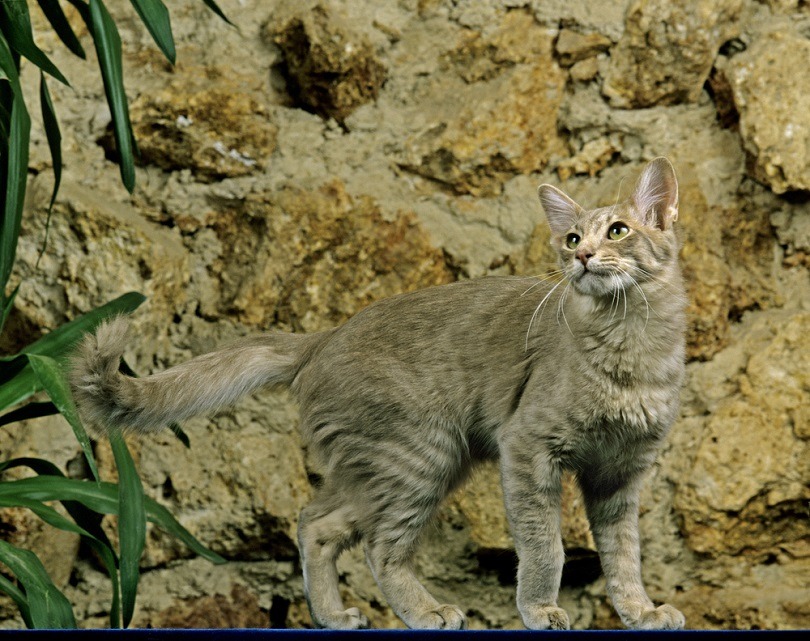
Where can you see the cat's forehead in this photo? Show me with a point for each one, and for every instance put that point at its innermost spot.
(602, 216)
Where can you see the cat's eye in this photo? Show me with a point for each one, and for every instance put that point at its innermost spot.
(618, 231)
(571, 241)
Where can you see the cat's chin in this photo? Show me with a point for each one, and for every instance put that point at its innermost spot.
(597, 284)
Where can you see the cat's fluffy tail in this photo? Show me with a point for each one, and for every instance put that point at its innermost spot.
(109, 400)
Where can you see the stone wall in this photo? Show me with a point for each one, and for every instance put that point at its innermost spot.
(329, 153)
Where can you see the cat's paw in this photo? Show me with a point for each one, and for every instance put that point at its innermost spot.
(545, 617)
(664, 617)
(445, 617)
(351, 619)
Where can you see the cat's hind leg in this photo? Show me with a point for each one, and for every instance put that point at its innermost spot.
(407, 596)
(324, 531)
(402, 500)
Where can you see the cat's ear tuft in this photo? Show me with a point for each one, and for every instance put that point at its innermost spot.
(561, 211)
(656, 194)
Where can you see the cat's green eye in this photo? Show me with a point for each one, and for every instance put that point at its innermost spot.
(618, 231)
(571, 241)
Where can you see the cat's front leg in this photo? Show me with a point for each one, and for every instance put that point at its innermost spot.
(532, 491)
(614, 523)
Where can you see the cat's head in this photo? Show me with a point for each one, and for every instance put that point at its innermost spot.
(606, 249)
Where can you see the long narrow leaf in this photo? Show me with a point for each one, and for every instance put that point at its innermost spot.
(211, 4)
(84, 11)
(53, 12)
(48, 606)
(103, 498)
(161, 517)
(110, 561)
(19, 599)
(29, 411)
(18, 32)
(58, 344)
(53, 381)
(131, 525)
(7, 304)
(46, 513)
(54, 137)
(108, 49)
(155, 16)
(13, 167)
(85, 517)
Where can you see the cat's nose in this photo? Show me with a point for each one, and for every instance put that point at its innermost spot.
(584, 256)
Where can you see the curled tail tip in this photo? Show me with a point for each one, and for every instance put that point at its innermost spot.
(94, 369)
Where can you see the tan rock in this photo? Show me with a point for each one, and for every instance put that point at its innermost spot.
(98, 249)
(239, 609)
(585, 70)
(667, 50)
(572, 46)
(327, 254)
(747, 489)
(769, 82)
(726, 258)
(206, 119)
(481, 503)
(493, 129)
(331, 69)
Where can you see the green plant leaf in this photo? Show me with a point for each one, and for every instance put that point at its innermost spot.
(131, 524)
(29, 411)
(46, 513)
(48, 606)
(161, 517)
(155, 16)
(81, 514)
(84, 11)
(211, 4)
(20, 37)
(53, 12)
(19, 599)
(54, 382)
(13, 168)
(54, 137)
(7, 305)
(108, 49)
(103, 498)
(57, 344)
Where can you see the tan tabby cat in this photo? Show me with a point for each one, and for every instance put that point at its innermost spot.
(400, 402)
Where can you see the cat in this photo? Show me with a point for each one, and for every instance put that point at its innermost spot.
(404, 398)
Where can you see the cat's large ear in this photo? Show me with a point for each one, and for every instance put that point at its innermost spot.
(656, 194)
(561, 211)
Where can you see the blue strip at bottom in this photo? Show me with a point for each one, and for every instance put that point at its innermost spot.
(398, 635)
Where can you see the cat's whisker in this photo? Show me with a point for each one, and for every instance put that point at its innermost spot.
(643, 295)
(537, 309)
(660, 282)
(562, 309)
(540, 281)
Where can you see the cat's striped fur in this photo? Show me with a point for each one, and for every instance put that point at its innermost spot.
(399, 403)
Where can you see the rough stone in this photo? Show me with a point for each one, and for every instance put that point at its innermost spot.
(239, 609)
(495, 128)
(572, 46)
(481, 503)
(762, 512)
(768, 81)
(330, 68)
(327, 254)
(667, 50)
(206, 119)
(726, 259)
